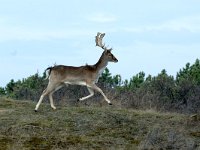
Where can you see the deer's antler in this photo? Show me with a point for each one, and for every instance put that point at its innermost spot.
(98, 40)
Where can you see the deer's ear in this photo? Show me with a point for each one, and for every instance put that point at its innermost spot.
(107, 51)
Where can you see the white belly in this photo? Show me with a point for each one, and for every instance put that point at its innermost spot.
(76, 83)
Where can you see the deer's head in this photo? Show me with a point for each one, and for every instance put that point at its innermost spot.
(107, 54)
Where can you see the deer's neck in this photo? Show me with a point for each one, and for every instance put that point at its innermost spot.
(100, 67)
(101, 64)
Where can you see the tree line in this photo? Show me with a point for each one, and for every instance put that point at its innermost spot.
(162, 92)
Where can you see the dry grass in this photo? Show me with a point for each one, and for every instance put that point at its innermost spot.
(92, 128)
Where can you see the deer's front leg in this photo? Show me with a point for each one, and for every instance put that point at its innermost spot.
(90, 95)
(100, 91)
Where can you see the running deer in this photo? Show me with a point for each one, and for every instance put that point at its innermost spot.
(86, 75)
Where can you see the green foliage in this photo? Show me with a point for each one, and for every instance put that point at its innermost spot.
(116, 81)
(136, 81)
(163, 83)
(10, 88)
(190, 73)
(2, 91)
(109, 81)
(25, 89)
(106, 77)
(163, 92)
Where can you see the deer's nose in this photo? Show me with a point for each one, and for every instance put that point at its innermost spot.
(115, 60)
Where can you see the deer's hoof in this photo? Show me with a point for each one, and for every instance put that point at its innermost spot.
(35, 110)
(53, 107)
(110, 103)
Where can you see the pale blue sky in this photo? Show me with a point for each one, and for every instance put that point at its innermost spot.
(145, 35)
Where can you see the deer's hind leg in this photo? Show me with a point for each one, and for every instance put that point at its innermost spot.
(51, 95)
(48, 91)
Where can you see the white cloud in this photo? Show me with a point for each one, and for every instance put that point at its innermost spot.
(102, 18)
(17, 31)
(188, 23)
(23, 33)
(11, 30)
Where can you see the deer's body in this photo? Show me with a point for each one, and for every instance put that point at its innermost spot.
(71, 75)
(86, 75)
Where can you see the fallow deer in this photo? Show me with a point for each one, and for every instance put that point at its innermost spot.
(86, 75)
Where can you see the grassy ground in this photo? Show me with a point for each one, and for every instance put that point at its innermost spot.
(93, 128)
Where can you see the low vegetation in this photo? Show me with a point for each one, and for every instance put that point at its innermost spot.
(86, 127)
